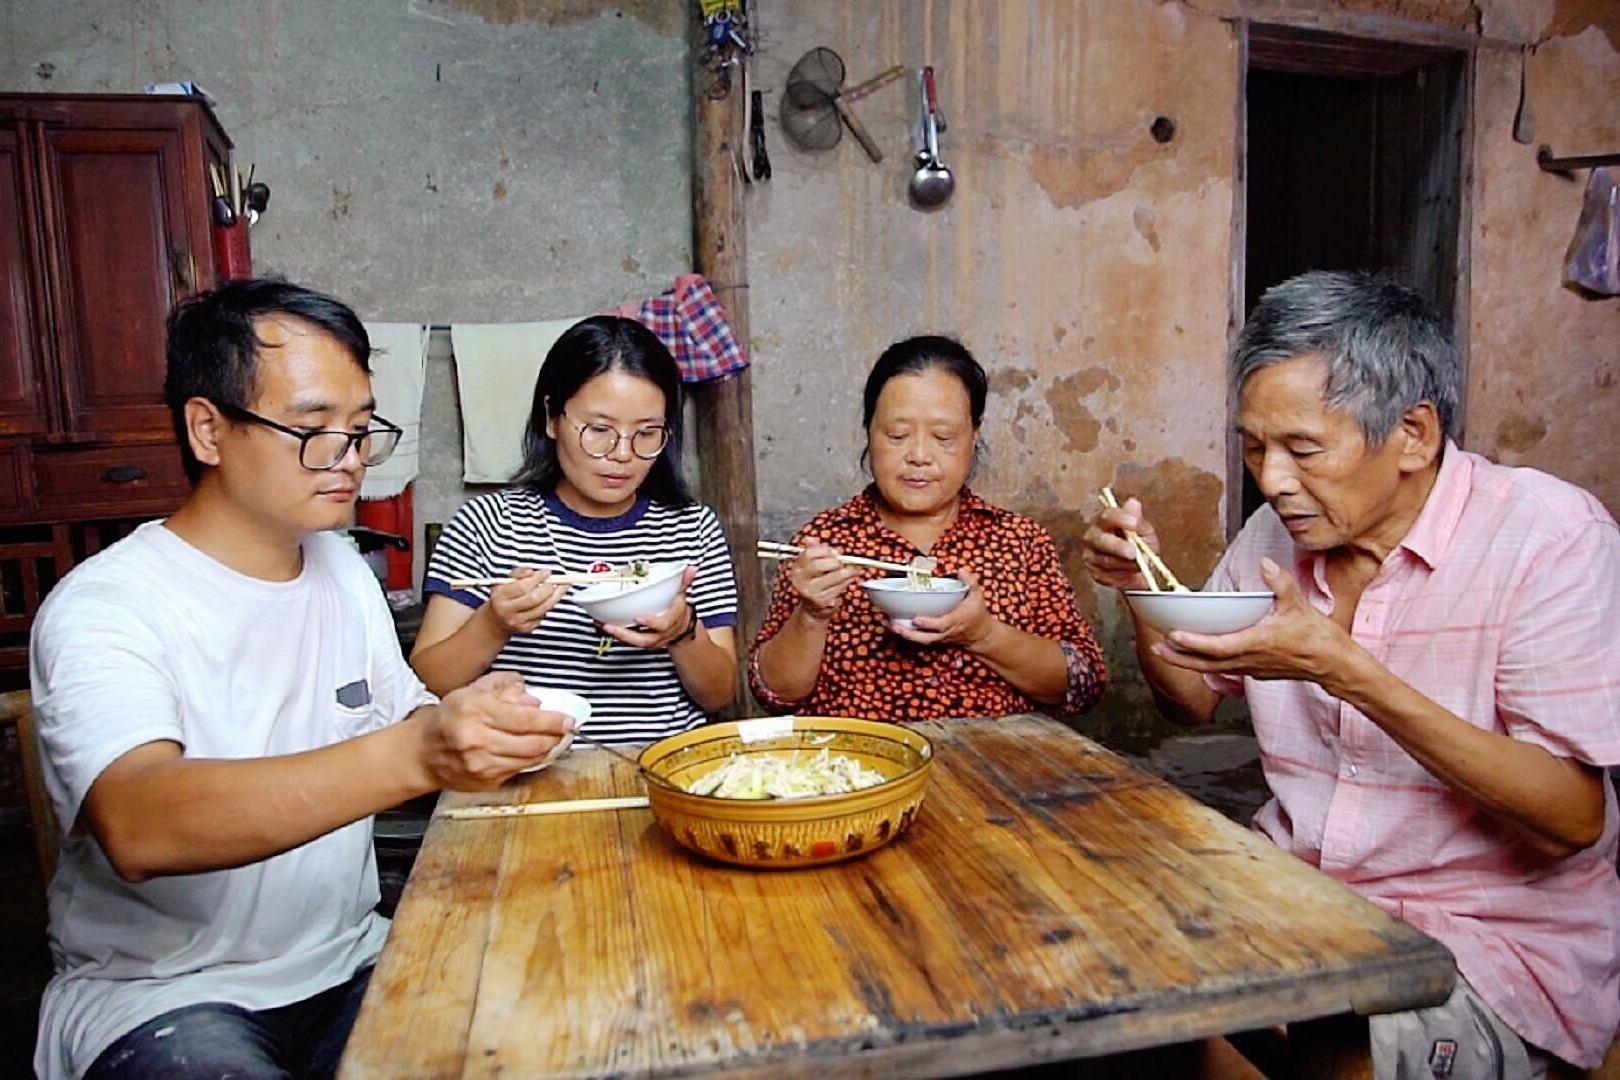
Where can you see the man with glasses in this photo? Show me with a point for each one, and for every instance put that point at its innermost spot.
(222, 706)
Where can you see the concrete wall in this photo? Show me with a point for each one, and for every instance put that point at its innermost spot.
(1082, 261)
(432, 160)
(514, 159)
(1087, 264)
(1545, 358)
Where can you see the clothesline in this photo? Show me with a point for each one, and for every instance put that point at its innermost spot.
(720, 288)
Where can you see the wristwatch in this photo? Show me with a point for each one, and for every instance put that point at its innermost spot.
(691, 626)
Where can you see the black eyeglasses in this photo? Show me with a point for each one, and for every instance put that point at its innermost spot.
(319, 451)
(600, 440)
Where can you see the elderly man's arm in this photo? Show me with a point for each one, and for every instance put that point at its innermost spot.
(1183, 696)
(1554, 802)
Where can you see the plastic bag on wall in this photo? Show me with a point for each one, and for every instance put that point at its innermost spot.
(1593, 259)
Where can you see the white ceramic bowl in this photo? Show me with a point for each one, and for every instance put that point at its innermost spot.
(902, 604)
(1200, 612)
(552, 699)
(619, 602)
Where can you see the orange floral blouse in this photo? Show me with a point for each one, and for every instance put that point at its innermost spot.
(868, 671)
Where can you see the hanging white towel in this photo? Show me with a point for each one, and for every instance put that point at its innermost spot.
(496, 366)
(398, 368)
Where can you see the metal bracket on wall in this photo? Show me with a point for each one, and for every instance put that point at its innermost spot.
(1544, 158)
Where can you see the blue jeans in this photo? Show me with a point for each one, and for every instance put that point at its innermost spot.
(304, 1039)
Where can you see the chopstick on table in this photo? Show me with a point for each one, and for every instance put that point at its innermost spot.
(769, 549)
(1147, 560)
(560, 806)
(554, 579)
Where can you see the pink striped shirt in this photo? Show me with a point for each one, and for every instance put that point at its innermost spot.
(1502, 604)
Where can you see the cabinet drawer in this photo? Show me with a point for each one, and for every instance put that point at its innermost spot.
(13, 492)
(109, 474)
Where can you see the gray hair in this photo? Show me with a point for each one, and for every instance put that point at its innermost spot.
(1386, 348)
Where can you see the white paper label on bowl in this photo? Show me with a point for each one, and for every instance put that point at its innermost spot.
(770, 727)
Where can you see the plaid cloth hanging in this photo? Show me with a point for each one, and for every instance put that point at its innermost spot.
(689, 320)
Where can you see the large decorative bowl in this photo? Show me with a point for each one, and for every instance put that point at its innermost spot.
(789, 833)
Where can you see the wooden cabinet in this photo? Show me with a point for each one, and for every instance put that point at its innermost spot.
(104, 225)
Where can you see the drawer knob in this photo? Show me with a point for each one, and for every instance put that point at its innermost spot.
(123, 474)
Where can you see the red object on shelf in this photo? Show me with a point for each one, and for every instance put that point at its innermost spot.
(233, 259)
(392, 515)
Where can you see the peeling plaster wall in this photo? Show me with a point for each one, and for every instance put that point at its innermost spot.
(1083, 262)
(510, 159)
(1087, 265)
(463, 160)
(1545, 359)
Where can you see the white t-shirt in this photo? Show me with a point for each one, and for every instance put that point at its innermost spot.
(154, 640)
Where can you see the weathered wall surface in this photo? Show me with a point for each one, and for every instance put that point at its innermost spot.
(459, 160)
(1545, 358)
(515, 159)
(1082, 261)
(1087, 264)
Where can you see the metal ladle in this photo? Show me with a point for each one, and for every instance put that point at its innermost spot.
(931, 185)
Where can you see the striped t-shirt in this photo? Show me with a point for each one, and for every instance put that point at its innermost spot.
(636, 695)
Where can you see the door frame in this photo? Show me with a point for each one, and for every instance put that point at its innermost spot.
(1372, 38)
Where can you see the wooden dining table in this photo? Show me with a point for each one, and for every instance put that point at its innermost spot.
(1051, 902)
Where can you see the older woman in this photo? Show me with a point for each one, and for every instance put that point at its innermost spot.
(1015, 643)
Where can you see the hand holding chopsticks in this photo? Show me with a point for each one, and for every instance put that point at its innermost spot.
(1147, 560)
(769, 549)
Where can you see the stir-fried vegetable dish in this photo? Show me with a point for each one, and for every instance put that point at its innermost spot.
(786, 776)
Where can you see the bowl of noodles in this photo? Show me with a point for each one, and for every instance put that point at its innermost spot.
(905, 598)
(788, 792)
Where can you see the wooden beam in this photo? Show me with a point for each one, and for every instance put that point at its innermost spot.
(1355, 24)
(1237, 288)
(724, 435)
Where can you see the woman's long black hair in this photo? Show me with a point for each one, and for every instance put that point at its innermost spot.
(587, 349)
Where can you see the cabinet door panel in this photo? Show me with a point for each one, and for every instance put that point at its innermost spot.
(122, 241)
(23, 394)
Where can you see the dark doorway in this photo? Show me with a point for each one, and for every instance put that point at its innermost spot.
(1356, 156)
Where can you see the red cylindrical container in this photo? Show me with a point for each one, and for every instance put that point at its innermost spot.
(232, 259)
(394, 515)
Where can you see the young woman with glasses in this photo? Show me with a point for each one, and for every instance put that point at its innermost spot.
(600, 487)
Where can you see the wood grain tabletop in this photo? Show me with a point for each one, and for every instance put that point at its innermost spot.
(1051, 902)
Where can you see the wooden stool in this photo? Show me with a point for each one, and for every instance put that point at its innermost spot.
(17, 707)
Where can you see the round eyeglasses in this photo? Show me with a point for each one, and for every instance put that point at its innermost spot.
(600, 440)
(319, 451)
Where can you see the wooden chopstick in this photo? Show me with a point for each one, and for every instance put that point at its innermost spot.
(771, 550)
(1139, 547)
(561, 806)
(1145, 554)
(554, 579)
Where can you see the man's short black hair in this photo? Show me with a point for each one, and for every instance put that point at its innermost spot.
(213, 348)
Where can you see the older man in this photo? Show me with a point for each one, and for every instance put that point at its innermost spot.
(1437, 688)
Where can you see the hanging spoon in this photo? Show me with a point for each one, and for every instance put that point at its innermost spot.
(931, 185)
